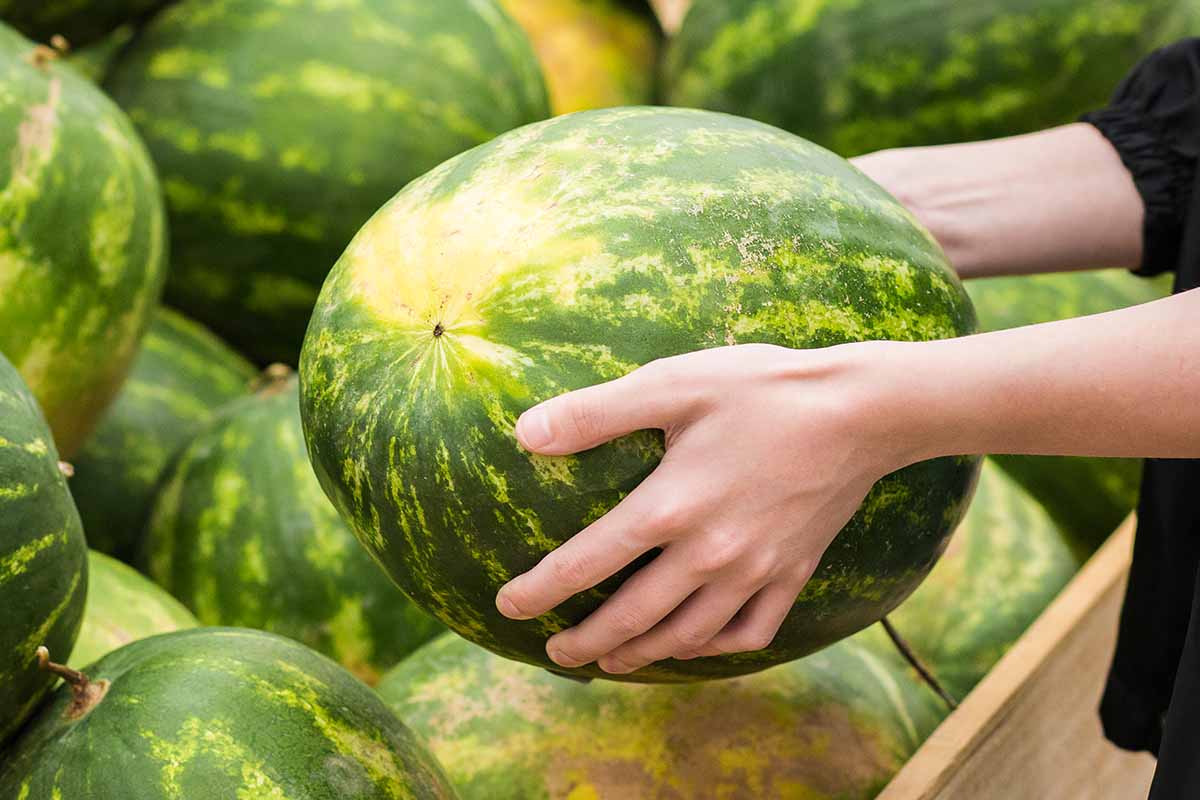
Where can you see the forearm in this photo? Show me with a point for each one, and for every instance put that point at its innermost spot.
(1050, 201)
(1125, 383)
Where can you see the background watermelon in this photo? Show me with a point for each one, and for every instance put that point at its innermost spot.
(220, 713)
(595, 53)
(95, 59)
(1005, 563)
(242, 534)
(567, 253)
(80, 21)
(82, 255)
(181, 375)
(122, 606)
(43, 561)
(836, 724)
(279, 126)
(1087, 497)
(863, 76)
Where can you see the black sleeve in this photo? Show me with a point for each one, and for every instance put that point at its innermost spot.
(1153, 121)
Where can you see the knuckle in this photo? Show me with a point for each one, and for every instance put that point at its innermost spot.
(670, 514)
(689, 638)
(720, 550)
(627, 622)
(587, 418)
(570, 572)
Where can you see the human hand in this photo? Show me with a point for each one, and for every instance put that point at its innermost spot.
(769, 452)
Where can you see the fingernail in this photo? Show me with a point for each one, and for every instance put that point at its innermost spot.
(533, 428)
(561, 658)
(506, 607)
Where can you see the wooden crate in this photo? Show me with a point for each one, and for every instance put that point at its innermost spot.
(1029, 730)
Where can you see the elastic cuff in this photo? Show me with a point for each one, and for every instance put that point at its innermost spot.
(1161, 176)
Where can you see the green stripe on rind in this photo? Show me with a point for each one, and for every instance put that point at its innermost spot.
(280, 126)
(1086, 497)
(595, 53)
(122, 607)
(221, 713)
(1005, 564)
(243, 535)
(181, 376)
(865, 75)
(82, 239)
(43, 566)
(567, 253)
(80, 21)
(837, 724)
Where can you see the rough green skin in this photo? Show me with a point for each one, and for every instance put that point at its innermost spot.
(82, 239)
(243, 535)
(181, 376)
(80, 21)
(43, 558)
(567, 253)
(1005, 564)
(1086, 497)
(280, 126)
(838, 724)
(862, 75)
(221, 713)
(122, 606)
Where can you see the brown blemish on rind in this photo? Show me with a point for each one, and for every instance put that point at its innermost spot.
(87, 692)
(36, 131)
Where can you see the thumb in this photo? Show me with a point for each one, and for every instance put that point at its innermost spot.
(587, 418)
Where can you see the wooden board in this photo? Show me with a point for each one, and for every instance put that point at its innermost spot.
(1030, 729)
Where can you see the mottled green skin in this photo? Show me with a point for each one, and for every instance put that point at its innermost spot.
(1086, 497)
(1005, 564)
(123, 606)
(82, 239)
(181, 376)
(80, 21)
(279, 127)
(243, 535)
(221, 713)
(43, 558)
(95, 59)
(838, 724)
(567, 253)
(862, 75)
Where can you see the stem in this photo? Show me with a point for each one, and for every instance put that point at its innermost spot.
(911, 657)
(272, 380)
(67, 469)
(87, 693)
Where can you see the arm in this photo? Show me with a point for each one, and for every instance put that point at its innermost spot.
(1045, 202)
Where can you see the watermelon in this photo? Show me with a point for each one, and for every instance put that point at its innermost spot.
(218, 713)
(181, 375)
(567, 253)
(279, 126)
(82, 238)
(595, 53)
(43, 557)
(1086, 497)
(875, 74)
(836, 724)
(243, 535)
(80, 21)
(1004, 565)
(123, 606)
(95, 59)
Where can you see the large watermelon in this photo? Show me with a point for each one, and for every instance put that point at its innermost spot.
(595, 53)
(43, 558)
(123, 606)
(82, 236)
(1005, 564)
(867, 75)
(1087, 497)
(181, 375)
(836, 724)
(242, 534)
(279, 126)
(219, 713)
(568, 253)
(80, 21)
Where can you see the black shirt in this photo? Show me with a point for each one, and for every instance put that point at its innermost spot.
(1152, 700)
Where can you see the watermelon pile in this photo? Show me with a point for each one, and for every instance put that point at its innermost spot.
(277, 277)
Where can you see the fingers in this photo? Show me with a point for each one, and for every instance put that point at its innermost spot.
(755, 627)
(640, 522)
(697, 620)
(648, 397)
(639, 604)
